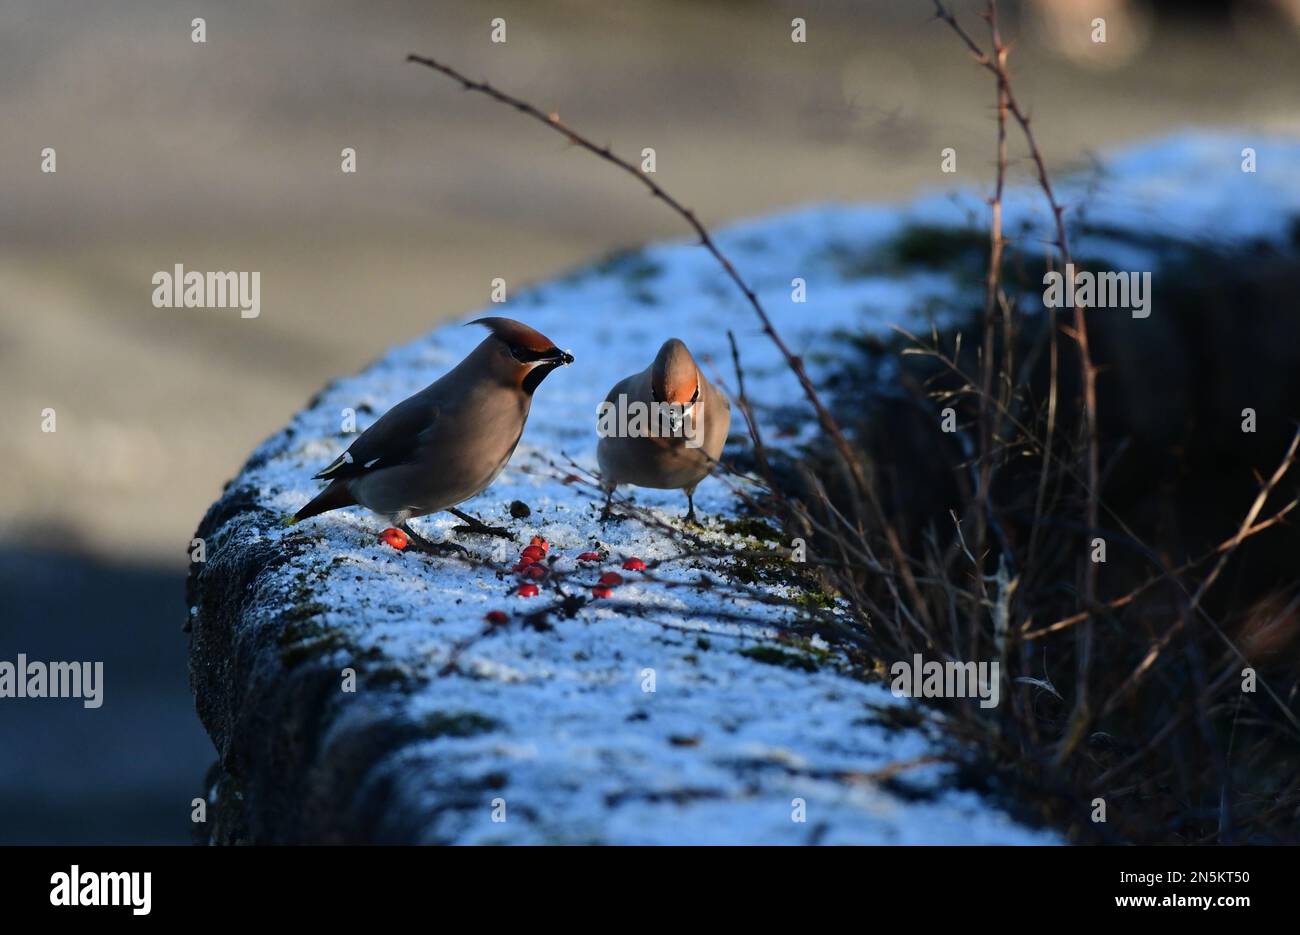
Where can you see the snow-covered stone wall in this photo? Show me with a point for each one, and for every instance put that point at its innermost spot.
(360, 694)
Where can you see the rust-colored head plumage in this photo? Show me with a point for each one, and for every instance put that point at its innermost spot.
(523, 356)
(675, 378)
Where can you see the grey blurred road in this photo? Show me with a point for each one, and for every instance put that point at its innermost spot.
(121, 773)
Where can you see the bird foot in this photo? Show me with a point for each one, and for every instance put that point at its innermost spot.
(417, 543)
(483, 529)
(472, 524)
(439, 548)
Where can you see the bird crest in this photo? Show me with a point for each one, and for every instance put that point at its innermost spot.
(516, 333)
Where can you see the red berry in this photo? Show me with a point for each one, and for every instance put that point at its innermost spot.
(393, 537)
(534, 572)
(589, 557)
(496, 616)
(611, 578)
(525, 561)
(601, 591)
(527, 590)
(634, 564)
(533, 552)
(541, 544)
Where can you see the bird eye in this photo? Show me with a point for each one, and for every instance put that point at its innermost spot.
(518, 353)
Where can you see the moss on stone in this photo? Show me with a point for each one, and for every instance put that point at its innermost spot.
(815, 599)
(753, 528)
(779, 657)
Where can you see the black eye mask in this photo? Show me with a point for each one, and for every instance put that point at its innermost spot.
(526, 356)
(547, 361)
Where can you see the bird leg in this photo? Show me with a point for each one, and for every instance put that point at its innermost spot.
(474, 525)
(690, 508)
(608, 513)
(420, 544)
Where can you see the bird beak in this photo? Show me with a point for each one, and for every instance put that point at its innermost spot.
(563, 358)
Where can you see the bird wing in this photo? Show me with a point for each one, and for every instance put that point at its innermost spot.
(394, 439)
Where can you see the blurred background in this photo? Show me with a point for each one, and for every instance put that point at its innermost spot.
(226, 156)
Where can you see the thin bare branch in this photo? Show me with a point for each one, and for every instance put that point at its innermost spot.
(552, 120)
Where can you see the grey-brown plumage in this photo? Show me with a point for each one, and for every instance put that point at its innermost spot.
(667, 461)
(448, 442)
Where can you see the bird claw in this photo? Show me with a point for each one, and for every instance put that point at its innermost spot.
(417, 543)
(438, 548)
(483, 529)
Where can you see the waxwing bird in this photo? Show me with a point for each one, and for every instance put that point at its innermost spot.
(449, 441)
(681, 441)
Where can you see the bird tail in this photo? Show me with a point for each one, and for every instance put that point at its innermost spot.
(334, 497)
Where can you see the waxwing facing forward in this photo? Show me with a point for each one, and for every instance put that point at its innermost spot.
(697, 418)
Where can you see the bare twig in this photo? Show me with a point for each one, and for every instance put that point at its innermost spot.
(996, 64)
(552, 120)
(1244, 532)
(988, 365)
(751, 423)
(1066, 622)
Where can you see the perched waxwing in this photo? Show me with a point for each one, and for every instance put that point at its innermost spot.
(449, 441)
(681, 440)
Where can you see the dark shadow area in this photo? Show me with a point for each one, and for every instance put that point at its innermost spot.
(1191, 732)
(121, 773)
